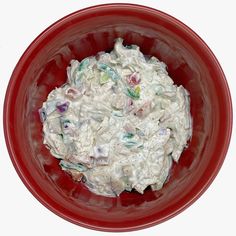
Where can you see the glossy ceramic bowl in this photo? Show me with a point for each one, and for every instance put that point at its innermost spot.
(84, 33)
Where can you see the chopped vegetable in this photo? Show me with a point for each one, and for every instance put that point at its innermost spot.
(65, 123)
(76, 176)
(134, 94)
(69, 165)
(129, 105)
(104, 79)
(83, 64)
(130, 144)
(72, 93)
(143, 110)
(62, 106)
(42, 114)
(137, 90)
(80, 71)
(68, 127)
(110, 72)
(129, 46)
(128, 135)
(134, 79)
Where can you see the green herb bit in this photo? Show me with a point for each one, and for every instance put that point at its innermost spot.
(104, 79)
(128, 135)
(83, 64)
(109, 71)
(133, 94)
(68, 165)
(130, 144)
(129, 47)
(140, 146)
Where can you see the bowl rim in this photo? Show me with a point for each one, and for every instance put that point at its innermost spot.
(31, 48)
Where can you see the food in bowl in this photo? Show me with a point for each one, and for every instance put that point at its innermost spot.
(118, 122)
(84, 33)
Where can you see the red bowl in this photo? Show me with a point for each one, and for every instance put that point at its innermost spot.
(84, 33)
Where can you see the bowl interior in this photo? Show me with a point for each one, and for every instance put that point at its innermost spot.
(43, 67)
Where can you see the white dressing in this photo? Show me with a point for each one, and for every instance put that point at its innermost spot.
(118, 122)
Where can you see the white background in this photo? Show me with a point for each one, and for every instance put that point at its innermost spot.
(21, 214)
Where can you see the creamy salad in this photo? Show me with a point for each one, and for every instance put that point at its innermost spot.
(118, 122)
